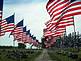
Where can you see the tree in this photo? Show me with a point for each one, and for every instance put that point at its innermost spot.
(21, 45)
(43, 40)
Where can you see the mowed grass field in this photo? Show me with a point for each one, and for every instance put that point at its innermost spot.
(69, 54)
(19, 54)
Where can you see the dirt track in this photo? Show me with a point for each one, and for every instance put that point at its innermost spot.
(44, 56)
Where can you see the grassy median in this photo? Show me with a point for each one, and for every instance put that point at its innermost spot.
(19, 54)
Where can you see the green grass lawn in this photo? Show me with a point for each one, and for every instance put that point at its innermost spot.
(63, 56)
(19, 54)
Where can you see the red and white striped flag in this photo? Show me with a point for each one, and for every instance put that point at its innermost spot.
(17, 33)
(2, 33)
(46, 33)
(24, 37)
(1, 10)
(64, 23)
(58, 31)
(35, 43)
(55, 8)
(28, 40)
(72, 9)
(8, 24)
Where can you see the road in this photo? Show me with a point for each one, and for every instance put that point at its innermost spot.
(44, 56)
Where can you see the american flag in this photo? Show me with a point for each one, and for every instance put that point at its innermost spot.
(24, 35)
(1, 10)
(28, 37)
(55, 8)
(17, 30)
(65, 22)
(53, 40)
(1, 31)
(46, 32)
(57, 32)
(15, 34)
(72, 8)
(8, 24)
(34, 41)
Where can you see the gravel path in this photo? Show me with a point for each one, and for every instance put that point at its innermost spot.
(44, 56)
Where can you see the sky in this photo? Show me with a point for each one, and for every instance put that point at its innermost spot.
(34, 14)
(32, 11)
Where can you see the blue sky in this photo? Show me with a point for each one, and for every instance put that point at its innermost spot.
(22, 1)
(34, 14)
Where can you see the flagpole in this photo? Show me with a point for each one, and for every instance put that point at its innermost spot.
(14, 43)
(1, 17)
(64, 37)
(65, 31)
(74, 28)
(14, 36)
(78, 42)
(74, 33)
